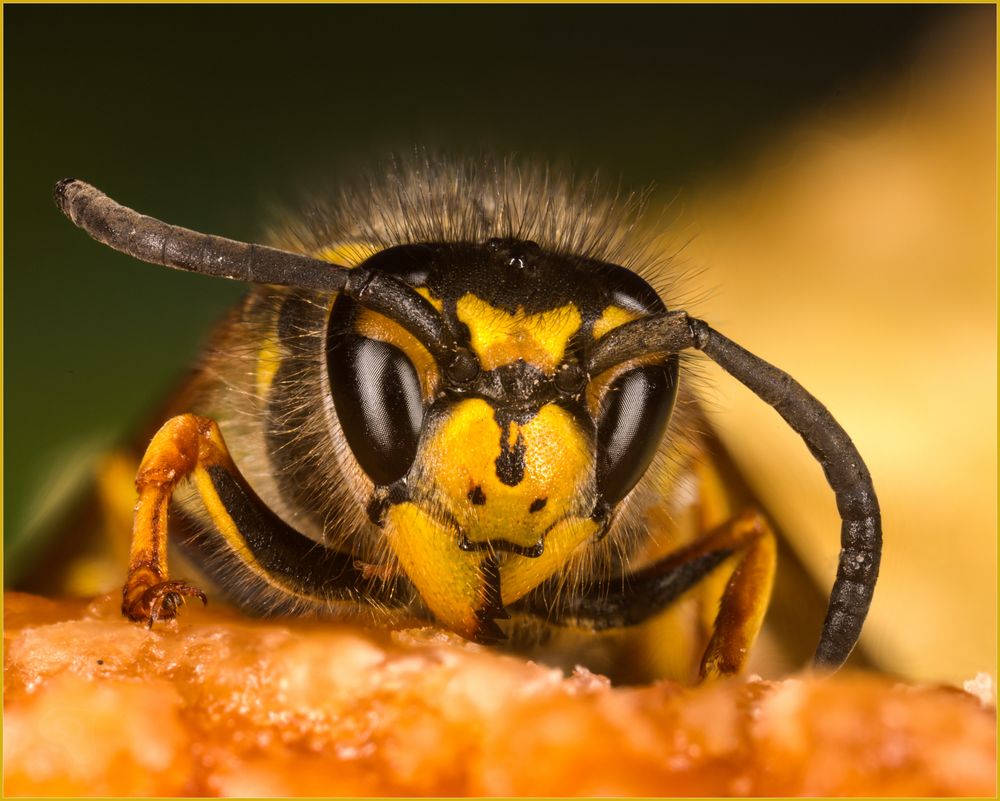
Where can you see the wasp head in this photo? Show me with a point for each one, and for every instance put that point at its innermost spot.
(497, 462)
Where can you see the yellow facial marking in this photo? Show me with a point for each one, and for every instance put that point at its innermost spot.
(612, 317)
(497, 485)
(521, 574)
(425, 293)
(499, 338)
(448, 579)
(514, 493)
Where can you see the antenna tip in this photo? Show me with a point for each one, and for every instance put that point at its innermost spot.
(61, 193)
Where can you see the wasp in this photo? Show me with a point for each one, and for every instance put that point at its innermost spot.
(453, 396)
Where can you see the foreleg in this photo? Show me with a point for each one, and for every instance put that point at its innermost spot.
(247, 537)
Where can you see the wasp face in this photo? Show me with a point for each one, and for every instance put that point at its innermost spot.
(488, 477)
(526, 473)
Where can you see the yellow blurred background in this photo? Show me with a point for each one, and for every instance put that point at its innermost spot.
(858, 253)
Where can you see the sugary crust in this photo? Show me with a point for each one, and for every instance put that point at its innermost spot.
(218, 705)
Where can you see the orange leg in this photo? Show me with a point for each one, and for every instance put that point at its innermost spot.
(750, 540)
(175, 451)
(275, 567)
(745, 599)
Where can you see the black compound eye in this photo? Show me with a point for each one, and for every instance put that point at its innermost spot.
(376, 393)
(633, 418)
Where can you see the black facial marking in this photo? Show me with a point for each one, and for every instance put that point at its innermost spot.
(477, 496)
(382, 498)
(515, 390)
(503, 546)
(509, 273)
(492, 609)
(510, 462)
(537, 505)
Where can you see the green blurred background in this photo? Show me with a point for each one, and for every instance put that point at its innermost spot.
(208, 116)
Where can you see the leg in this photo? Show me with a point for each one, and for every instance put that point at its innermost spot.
(670, 644)
(172, 455)
(745, 599)
(640, 595)
(247, 544)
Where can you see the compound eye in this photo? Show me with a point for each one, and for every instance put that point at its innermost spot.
(633, 417)
(376, 393)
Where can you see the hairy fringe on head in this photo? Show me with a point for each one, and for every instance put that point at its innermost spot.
(431, 198)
